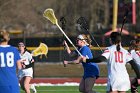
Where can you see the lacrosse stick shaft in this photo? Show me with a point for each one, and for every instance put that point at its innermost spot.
(122, 25)
(63, 22)
(124, 18)
(69, 39)
(82, 21)
(95, 41)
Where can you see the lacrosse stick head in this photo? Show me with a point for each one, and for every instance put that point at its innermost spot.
(83, 23)
(63, 22)
(41, 50)
(49, 14)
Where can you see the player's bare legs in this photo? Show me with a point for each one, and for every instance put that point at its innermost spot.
(22, 83)
(27, 84)
(114, 92)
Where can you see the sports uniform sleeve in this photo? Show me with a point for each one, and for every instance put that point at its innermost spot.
(83, 51)
(128, 57)
(30, 57)
(106, 53)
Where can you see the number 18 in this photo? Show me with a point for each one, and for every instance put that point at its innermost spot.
(9, 59)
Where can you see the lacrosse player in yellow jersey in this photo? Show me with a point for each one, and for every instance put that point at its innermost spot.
(26, 74)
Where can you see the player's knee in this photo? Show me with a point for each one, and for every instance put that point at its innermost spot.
(26, 86)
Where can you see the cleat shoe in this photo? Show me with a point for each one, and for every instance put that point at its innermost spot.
(33, 88)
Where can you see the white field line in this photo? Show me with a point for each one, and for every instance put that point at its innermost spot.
(64, 84)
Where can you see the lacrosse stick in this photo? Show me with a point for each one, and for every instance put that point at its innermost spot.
(41, 50)
(83, 24)
(49, 14)
(124, 18)
(63, 23)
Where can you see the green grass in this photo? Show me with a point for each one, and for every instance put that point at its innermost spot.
(67, 89)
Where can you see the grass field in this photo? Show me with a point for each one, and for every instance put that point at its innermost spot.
(67, 89)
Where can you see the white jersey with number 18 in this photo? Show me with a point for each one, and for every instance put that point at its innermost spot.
(118, 78)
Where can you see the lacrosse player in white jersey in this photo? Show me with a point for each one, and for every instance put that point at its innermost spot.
(135, 53)
(26, 74)
(116, 57)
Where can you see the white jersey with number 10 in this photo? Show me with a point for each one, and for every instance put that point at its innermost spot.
(118, 78)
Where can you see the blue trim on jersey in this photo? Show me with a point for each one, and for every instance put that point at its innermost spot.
(90, 69)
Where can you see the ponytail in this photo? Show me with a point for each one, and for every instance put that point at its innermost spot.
(118, 47)
(88, 40)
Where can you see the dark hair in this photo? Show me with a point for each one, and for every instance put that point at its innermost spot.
(137, 44)
(116, 39)
(134, 44)
(21, 43)
(137, 41)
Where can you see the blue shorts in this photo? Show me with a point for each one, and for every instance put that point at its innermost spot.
(9, 89)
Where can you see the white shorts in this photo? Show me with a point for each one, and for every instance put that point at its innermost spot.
(25, 72)
(119, 85)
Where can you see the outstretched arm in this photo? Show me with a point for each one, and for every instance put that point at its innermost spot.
(77, 61)
(71, 54)
(95, 60)
(135, 67)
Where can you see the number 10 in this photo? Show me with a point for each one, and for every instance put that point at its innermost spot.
(118, 56)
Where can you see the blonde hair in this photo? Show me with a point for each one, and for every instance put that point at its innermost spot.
(4, 36)
(86, 38)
